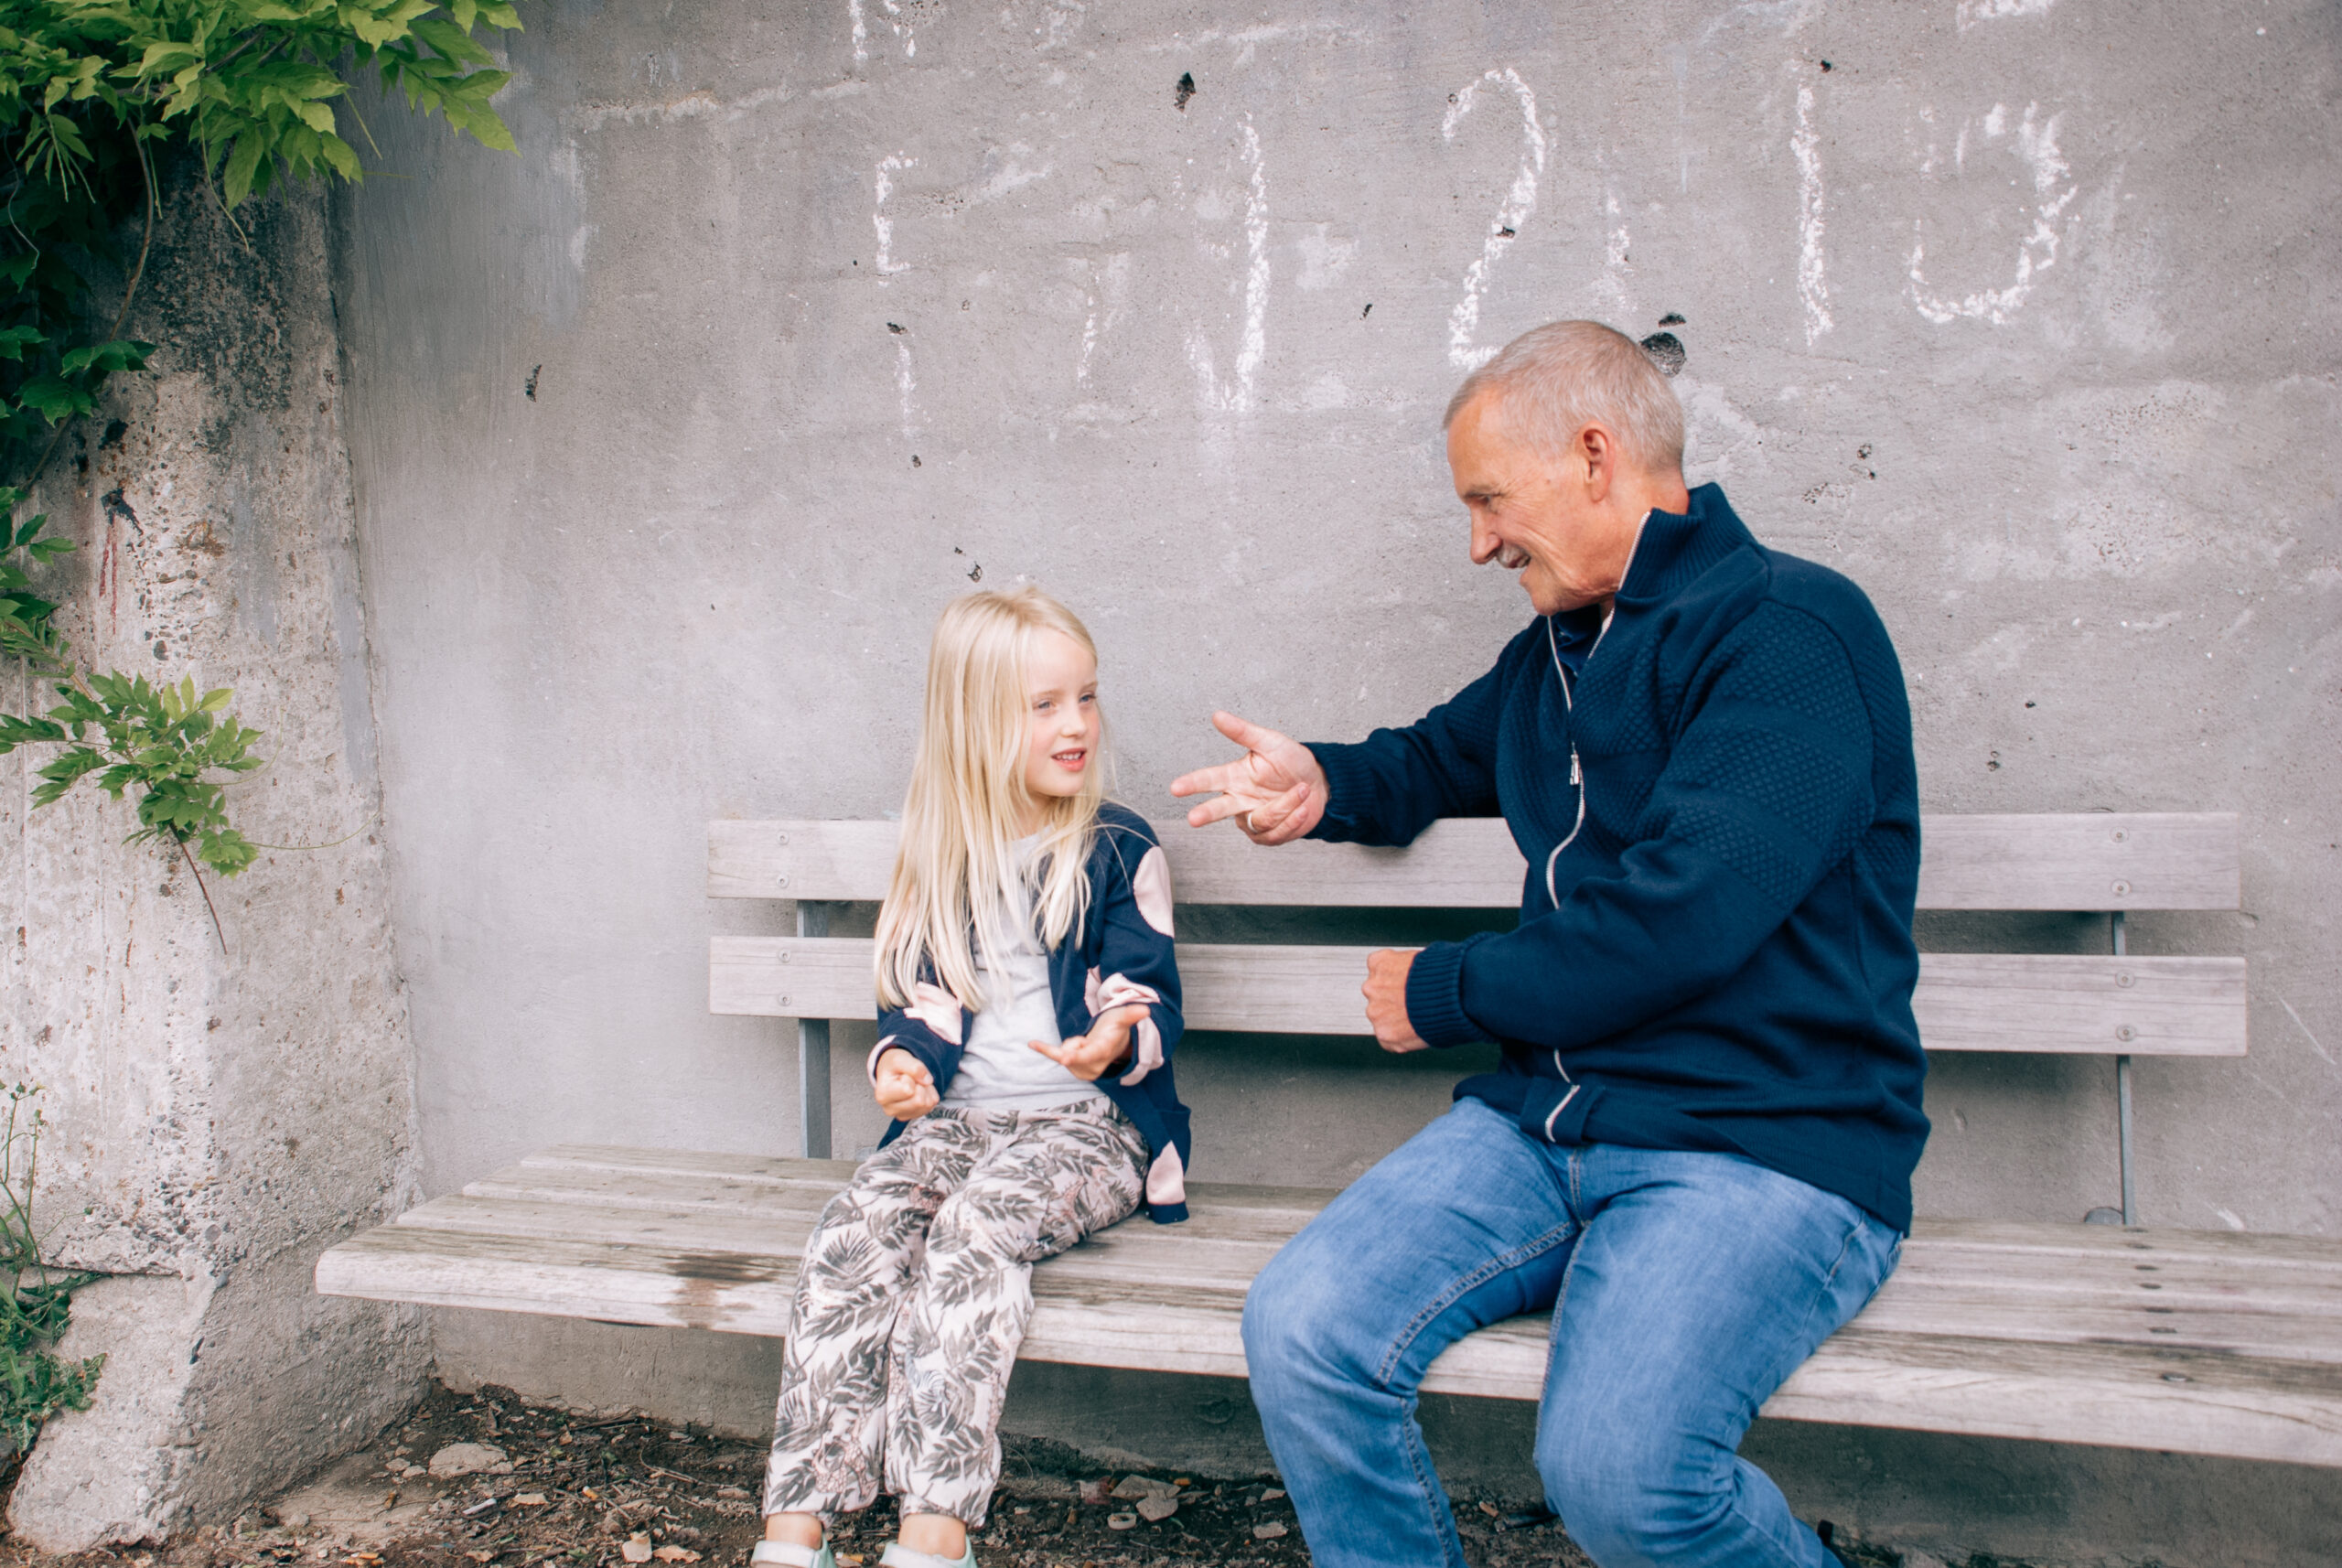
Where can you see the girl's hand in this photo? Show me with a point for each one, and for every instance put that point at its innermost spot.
(906, 1090)
(1106, 1045)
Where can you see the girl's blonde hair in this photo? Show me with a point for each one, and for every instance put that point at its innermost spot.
(946, 901)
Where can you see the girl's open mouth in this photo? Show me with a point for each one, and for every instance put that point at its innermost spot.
(1070, 760)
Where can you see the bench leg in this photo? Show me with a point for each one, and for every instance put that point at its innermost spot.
(813, 1051)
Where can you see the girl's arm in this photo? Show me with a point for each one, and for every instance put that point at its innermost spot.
(931, 1030)
(1137, 961)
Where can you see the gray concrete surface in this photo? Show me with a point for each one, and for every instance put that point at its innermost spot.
(216, 1119)
(672, 435)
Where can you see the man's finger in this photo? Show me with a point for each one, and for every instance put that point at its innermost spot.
(1284, 813)
(1219, 808)
(1245, 733)
(1217, 777)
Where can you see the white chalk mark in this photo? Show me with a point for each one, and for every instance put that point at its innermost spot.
(700, 105)
(1252, 347)
(1324, 259)
(861, 33)
(1812, 284)
(1255, 346)
(2233, 1221)
(2037, 146)
(1518, 203)
(2314, 1043)
(1105, 309)
(892, 164)
(907, 385)
(1972, 12)
(902, 27)
(1617, 246)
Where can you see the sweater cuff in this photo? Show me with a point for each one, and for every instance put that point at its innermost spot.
(1347, 780)
(1435, 996)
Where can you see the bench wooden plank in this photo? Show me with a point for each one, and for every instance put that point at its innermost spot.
(2203, 1342)
(1965, 1001)
(2074, 861)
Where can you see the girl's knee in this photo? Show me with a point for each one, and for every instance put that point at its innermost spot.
(997, 1226)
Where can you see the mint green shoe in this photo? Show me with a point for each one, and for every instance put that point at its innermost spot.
(898, 1555)
(781, 1554)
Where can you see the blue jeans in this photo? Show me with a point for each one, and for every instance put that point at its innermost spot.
(1685, 1287)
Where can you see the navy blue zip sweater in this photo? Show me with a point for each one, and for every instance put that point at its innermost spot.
(1122, 955)
(1714, 947)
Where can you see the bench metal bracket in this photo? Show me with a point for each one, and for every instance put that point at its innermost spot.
(813, 1051)
(2122, 1093)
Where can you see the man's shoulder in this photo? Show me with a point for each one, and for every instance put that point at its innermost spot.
(1830, 597)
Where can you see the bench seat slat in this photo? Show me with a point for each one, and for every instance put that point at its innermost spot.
(1995, 1328)
(2050, 1003)
(2076, 861)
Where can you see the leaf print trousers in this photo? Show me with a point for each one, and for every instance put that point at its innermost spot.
(913, 1296)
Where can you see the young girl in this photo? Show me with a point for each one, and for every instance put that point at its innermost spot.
(1028, 1005)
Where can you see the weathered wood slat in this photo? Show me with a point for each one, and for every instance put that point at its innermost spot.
(1965, 1001)
(1992, 1328)
(2088, 860)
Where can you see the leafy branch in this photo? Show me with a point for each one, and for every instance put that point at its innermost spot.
(89, 91)
(161, 741)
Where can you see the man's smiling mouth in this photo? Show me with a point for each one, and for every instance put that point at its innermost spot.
(1512, 557)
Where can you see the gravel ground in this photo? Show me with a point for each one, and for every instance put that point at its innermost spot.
(487, 1481)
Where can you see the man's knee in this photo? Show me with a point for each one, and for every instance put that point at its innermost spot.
(1627, 1494)
(1291, 1319)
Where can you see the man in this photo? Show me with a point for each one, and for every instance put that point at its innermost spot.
(1698, 1148)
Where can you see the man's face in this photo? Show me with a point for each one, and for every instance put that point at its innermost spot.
(1533, 512)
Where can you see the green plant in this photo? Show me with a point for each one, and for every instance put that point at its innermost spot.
(89, 88)
(35, 1382)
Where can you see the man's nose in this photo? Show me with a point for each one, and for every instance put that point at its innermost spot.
(1484, 542)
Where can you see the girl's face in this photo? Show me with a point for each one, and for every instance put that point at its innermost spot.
(1062, 726)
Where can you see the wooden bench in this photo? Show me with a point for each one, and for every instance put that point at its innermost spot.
(2214, 1343)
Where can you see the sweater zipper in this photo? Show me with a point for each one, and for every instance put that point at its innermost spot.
(1577, 774)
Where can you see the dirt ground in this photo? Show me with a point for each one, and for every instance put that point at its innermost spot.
(560, 1490)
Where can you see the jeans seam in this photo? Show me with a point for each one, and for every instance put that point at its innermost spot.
(1428, 1486)
(1462, 1283)
(1829, 1282)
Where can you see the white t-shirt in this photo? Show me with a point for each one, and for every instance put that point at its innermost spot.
(999, 1068)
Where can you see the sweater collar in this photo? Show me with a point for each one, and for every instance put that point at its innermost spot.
(1675, 548)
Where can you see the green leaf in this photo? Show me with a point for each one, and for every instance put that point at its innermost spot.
(55, 400)
(241, 165)
(15, 340)
(452, 41)
(337, 153)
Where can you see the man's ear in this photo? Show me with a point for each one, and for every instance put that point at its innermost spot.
(1599, 451)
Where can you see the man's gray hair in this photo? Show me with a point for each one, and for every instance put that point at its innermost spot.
(1555, 380)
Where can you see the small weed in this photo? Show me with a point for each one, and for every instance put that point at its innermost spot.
(35, 1382)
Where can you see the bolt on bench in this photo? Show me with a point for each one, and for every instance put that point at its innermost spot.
(2199, 1342)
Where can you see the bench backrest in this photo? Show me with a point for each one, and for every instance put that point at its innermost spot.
(2086, 861)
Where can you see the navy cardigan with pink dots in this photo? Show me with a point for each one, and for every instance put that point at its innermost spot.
(1122, 954)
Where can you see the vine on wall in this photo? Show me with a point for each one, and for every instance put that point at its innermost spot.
(90, 91)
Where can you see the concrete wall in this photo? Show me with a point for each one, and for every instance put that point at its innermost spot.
(673, 434)
(218, 1117)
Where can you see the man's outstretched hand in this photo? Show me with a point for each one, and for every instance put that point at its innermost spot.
(1276, 791)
